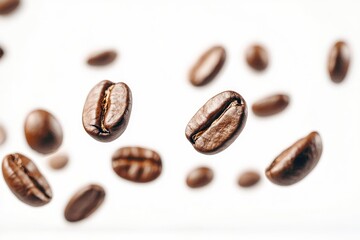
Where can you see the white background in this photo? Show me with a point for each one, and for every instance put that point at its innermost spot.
(47, 43)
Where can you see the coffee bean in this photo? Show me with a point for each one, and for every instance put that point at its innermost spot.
(58, 161)
(339, 61)
(137, 164)
(257, 57)
(102, 58)
(270, 105)
(297, 161)
(2, 135)
(218, 123)
(207, 66)
(199, 177)
(84, 202)
(8, 6)
(1, 52)
(25, 180)
(107, 110)
(248, 179)
(43, 131)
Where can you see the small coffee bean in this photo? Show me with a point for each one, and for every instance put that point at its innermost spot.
(218, 123)
(25, 180)
(270, 105)
(199, 177)
(84, 202)
(8, 6)
(2, 135)
(1, 52)
(102, 58)
(207, 66)
(137, 164)
(297, 161)
(43, 131)
(248, 179)
(107, 110)
(339, 61)
(257, 57)
(58, 161)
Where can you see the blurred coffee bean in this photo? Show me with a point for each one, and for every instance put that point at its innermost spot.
(248, 179)
(58, 161)
(257, 57)
(102, 58)
(199, 177)
(270, 105)
(8, 6)
(339, 61)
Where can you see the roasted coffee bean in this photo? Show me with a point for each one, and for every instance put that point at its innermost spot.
(107, 110)
(137, 164)
(207, 66)
(1, 52)
(248, 179)
(218, 123)
(297, 161)
(84, 203)
(199, 177)
(339, 61)
(102, 58)
(25, 180)
(270, 105)
(2, 135)
(58, 161)
(8, 6)
(257, 57)
(43, 131)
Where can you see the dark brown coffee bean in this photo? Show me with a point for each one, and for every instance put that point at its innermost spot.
(137, 164)
(339, 61)
(43, 131)
(107, 110)
(218, 123)
(8, 6)
(248, 179)
(25, 180)
(297, 161)
(84, 202)
(58, 161)
(208, 66)
(102, 58)
(257, 57)
(199, 177)
(1, 52)
(270, 105)
(2, 135)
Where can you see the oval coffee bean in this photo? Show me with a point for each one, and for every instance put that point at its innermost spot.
(137, 164)
(1, 52)
(199, 177)
(58, 161)
(102, 58)
(270, 105)
(257, 57)
(2, 135)
(25, 180)
(218, 123)
(297, 161)
(84, 203)
(339, 61)
(8, 6)
(248, 179)
(208, 66)
(107, 110)
(43, 131)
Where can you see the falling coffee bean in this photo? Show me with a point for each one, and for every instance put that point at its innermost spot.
(257, 57)
(1, 52)
(297, 161)
(58, 161)
(84, 203)
(25, 180)
(8, 6)
(2, 135)
(107, 110)
(339, 61)
(137, 164)
(270, 105)
(218, 123)
(248, 179)
(43, 131)
(102, 58)
(208, 66)
(199, 177)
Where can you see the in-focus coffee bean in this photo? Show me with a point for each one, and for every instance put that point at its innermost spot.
(297, 161)
(102, 58)
(43, 131)
(8, 6)
(339, 61)
(271, 105)
(107, 110)
(84, 202)
(2, 135)
(137, 164)
(257, 57)
(199, 177)
(218, 123)
(248, 179)
(58, 161)
(25, 180)
(1, 52)
(207, 66)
